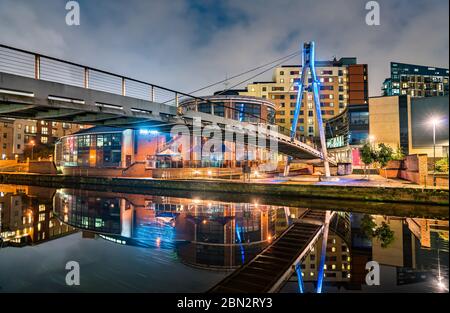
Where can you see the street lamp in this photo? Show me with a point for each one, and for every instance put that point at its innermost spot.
(32, 143)
(434, 121)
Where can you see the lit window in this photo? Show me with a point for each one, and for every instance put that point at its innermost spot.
(44, 139)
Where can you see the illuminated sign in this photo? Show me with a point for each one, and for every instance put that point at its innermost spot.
(335, 142)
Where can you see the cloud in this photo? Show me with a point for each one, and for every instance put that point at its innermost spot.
(185, 45)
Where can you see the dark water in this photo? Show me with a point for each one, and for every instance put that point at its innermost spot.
(161, 243)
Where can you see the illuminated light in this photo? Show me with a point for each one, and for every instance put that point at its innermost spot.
(269, 238)
(158, 241)
(196, 200)
(17, 93)
(196, 172)
(435, 121)
(256, 173)
(209, 204)
(209, 173)
(204, 221)
(76, 101)
(148, 132)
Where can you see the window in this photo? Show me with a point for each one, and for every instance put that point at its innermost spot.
(44, 139)
(204, 107)
(281, 73)
(44, 130)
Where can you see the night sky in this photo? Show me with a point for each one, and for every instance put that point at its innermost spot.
(186, 45)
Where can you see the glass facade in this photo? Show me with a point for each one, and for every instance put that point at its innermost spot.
(240, 108)
(247, 112)
(91, 150)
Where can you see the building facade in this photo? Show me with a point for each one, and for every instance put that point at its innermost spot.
(110, 151)
(347, 132)
(18, 136)
(405, 122)
(237, 107)
(416, 81)
(343, 83)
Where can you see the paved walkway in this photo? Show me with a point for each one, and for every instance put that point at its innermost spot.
(349, 180)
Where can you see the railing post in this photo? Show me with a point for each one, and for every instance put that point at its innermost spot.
(37, 67)
(152, 93)
(86, 77)
(124, 91)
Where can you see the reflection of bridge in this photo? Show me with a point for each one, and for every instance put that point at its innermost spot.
(38, 87)
(271, 268)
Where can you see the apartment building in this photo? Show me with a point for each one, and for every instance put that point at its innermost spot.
(16, 135)
(343, 82)
(416, 81)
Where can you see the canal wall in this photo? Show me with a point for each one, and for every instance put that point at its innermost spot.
(359, 193)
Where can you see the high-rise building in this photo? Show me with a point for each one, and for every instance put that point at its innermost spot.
(343, 82)
(416, 81)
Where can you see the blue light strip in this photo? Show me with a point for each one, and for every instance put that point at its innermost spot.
(298, 270)
(298, 103)
(238, 235)
(320, 273)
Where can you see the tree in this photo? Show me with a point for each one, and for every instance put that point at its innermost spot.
(442, 165)
(384, 234)
(368, 154)
(367, 226)
(384, 154)
(399, 154)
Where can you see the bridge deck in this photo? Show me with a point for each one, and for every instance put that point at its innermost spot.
(268, 270)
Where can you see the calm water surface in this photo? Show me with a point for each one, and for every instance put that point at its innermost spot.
(161, 243)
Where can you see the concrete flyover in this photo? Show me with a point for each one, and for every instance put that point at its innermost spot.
(45, 88)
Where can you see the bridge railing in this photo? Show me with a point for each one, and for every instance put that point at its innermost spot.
(33, 65)
(30, 64)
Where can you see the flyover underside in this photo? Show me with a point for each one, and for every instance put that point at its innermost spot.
(27, 98)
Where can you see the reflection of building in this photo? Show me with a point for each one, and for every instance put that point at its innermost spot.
(204, 233)
(414, 250)
(416, 81)
(405, 122)
(337, 268)
(26, 216)
(343, 82)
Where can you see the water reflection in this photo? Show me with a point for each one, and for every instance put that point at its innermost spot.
(203, 233)
(26, 216)
(211, 235)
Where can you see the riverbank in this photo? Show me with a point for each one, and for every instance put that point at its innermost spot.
(404, 195)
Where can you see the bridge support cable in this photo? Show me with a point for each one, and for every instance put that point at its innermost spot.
(323, 252)
(283, 59)
(308, 59)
